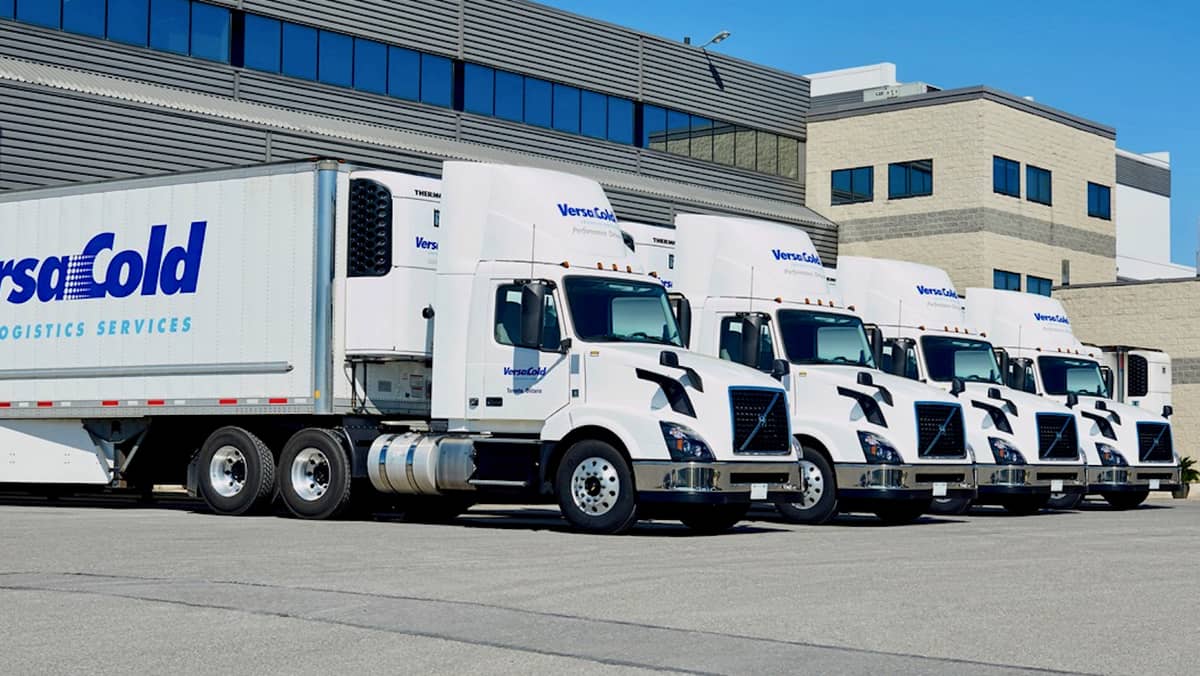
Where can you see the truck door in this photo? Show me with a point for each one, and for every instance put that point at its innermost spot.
(523, 383)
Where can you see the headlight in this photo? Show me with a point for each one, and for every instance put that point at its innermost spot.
(1110, 457)
(797, 447)
(1005, 453)
(684, 444)
(879, 451)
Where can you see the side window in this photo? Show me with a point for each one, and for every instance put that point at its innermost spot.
(508, 318)
(900, 360)
(731, 344)
(1021, 376)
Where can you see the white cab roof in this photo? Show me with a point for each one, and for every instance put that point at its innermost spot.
(1014, 319)
(899, 293)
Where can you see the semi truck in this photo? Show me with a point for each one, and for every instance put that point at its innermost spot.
(322, 331)
(754, 292)
(1032, 450)
(1131, 450)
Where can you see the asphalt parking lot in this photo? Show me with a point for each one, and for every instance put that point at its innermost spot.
(112, 587)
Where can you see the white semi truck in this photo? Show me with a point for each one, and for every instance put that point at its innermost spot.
(755, 292)
(272, 330)
(1132, 450)
(1033, 447)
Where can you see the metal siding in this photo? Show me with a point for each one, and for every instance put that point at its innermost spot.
(545, 142)
(640, 208)
(292, 146)
(687, 170)
(1143, 176)
(429, 25)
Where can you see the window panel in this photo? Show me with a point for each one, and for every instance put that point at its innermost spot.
(46, 13)
(620, 120)
(1008, 281)
(1037, 185)
(702, 138)
(169, 28)
(128, 21)
(1099, 201)
(910, 179)
(537, 102)
(335, 60)
(1038, 285)
(437, 80)
(724, 143)
(299, 51)
(679, 131)
(768, 153)
(789, 157)
(85, 17)
(746, 148)
(261, 43)
(479, 89)
(654, 127)
(370, 66)
(566, 108)
(7, 9)
(593, 114)
(852, 185)
(210, 32)
(510, 96)
(1006, 176)
(404, 73)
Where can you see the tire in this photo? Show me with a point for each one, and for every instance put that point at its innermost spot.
(1025, 505)
(713, 519)
(236, 472)
(314, 474)
(902, 512)
(1064, 500)
(819, 502)
(1125, 500)
(951, 506)
(435, 509)
(595, 488)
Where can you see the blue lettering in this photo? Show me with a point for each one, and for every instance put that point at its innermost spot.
(595, 212)
(537, 371)
(426, 244)
(1057, 319)
(801, 257)
(930, 291)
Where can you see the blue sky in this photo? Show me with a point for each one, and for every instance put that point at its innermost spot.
(1131, 65)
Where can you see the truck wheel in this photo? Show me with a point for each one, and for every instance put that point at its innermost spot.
(595, 488)
(951, 506)
(713, 519)
(818, 504)
(1064, 500)
(314, 474)
(902, 512)
(1125, 500)
(237, 472)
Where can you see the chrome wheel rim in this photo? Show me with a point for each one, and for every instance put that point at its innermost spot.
(595, 486)
(814, 485)
(310, 474)
(227, 471)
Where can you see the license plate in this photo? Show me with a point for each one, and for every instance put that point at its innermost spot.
(758, 491)
(939, 489)
(1056, 485)
(1155, 484)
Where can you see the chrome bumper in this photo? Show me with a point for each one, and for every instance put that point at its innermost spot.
(903, 481)
(1025, 479)
(1137, 478)
(717, 482)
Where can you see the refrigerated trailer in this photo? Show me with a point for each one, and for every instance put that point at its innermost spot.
(322, 331)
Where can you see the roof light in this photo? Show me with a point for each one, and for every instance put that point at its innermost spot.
(779, 299)
(851, 308)
(629, 269)
(565, 264)
(615, 267)
(653, 274)
(599, 265)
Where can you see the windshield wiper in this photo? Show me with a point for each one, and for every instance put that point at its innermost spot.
(634, 338)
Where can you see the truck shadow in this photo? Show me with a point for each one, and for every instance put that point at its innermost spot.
(549, 519)
(854, 520)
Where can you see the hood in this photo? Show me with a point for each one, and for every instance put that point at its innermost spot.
(1124, 421)
(1025, 431)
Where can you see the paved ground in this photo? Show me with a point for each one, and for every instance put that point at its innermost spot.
(106, 587)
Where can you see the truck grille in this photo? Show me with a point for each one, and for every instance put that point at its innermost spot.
(1154, 442)
(940, 432)
(760, 421)
(1056, 437)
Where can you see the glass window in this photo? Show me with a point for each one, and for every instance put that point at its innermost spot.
(702, 138)
(169, 28)
(1003, 279)
(1037, 185)
(7, 9)
(768, 153)
(437, 80)
(1006, 176)
(853, 185)
(566, 108)
(1061, 375)
(971, 360)
(85, 17)
(510, 96)
(910, 179)
(370, 66)
(335, 61)
(824, 338)
(746, 149)
(299, 51)
(1039, 285)
(618, 311)
(593, 114)
(261, 43)
(620, 120)
(404, 73)
(479, 89)
(1099, 201)
(210, 32)
(900, 358)
(789, 157)
(732, 330)
(128, 21)
(508, 318)
(724, 143)
(679, 132)
(537, 102)
(654, 127)
(46, 13)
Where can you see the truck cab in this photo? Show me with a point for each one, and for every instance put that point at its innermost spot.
(1028, 448)
(1130, 450)
(754, 292)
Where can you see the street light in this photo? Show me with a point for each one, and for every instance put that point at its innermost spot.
(719, 37)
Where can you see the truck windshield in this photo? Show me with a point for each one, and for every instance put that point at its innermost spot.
(824, 338)
(1061, 375)
(620, 311)
(947, 358)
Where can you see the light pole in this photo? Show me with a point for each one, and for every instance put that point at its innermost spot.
(719, 37)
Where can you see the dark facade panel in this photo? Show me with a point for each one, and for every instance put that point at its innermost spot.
(684, 170)
(1143, 176)
(551, 44)
(429, 25)
(31, 43)
(560, 146)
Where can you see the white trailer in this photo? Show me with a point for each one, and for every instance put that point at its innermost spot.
(1032, 448)
(755, 292)
(1132, 450)
(271, 330)
(1141, 375)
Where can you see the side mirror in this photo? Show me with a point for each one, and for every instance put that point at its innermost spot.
(1168, 410)
(1072, 399)
(875, 340)
(751, 338)
(1001, 360)
(683, 316)
(564, 345)
(1106, 374)
(865, 379)
(957, 386)
(533, 310)
(780, 368)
